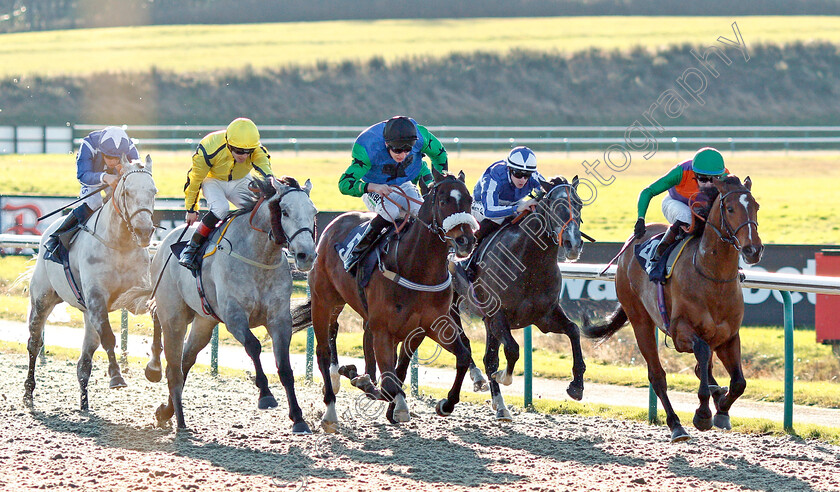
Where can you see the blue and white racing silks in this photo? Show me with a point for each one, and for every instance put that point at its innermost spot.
(90, 165)
(497, 194)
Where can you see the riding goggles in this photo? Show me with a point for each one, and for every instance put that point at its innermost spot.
(237, 150)
(516, 173)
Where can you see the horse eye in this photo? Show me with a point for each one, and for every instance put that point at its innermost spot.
(729, 209)
(285, 213)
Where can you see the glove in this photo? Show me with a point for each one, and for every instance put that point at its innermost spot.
(639, 229)
(526, 205)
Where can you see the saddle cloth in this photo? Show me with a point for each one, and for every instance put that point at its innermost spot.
(369, 260)
(661, 269)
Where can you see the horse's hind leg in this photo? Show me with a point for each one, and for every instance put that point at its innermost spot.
(154, 368)
(40, 306)
(479, 383)
(558, 322)
(703, 354)
(335, 376)
(643, 328)
(730, 356)
(321, 319)
(237, 325)
(448, 336)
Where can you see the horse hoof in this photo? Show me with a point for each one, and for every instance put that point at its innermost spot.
(118, 382)
(679, 434)
(722, 422)
(439, 408)
(329, 427)
(702, 424)
(300, 428)
(267, 402)
(481, 386)
(28, 400)
(575, 391)
(153, 374)
(502, 377)
(361, 382)
(160, 415)
(503, 415)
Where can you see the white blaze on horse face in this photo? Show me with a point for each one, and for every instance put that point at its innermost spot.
(744, 200)
(456, 195)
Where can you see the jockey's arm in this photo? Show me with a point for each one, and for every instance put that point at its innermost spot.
(260, 161)
(85, 172)
(490, 200)
(200, 167)
(434, 149)
(351, 182)
(659, 186)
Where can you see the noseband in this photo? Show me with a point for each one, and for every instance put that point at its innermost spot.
(119, 196)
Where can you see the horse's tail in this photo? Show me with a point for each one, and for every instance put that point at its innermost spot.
(301, 314)
(24, 277)
(603, 331)
(136, 299)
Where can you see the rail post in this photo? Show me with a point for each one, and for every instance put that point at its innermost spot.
(652, 401)
(310, 342)
(788, 303)
(124, 339)
(214, 351)
(528, 397)
(415, 384)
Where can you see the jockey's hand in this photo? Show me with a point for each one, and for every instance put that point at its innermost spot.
(192, 218)
(110, 180)
(379, 189)
(639, 229)
(527, 204)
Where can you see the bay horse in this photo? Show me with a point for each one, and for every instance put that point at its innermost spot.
(108, 261)
(702, 299)
(518, 283)
(392, 310)
(247, 283)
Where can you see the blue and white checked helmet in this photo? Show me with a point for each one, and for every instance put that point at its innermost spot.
(522, 159)
(114, 142)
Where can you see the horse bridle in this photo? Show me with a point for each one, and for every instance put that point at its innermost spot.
(574, 216)
(288, 239)
(435, 226)
(121, 196)
(731, 237)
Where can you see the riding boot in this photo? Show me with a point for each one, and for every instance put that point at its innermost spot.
(78, 216)
(486, 228)
(674, 232)
(372, 232)
(189, 256)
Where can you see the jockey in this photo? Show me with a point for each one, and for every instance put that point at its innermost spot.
(220, 168)
(386, 156)
(97, 164)
(502, 191)
(684, 182)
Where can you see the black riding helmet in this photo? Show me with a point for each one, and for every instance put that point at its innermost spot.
(400, 132)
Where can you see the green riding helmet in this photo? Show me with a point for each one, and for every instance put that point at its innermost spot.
(708, 161)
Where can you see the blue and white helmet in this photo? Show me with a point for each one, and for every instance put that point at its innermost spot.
(522, 159)
(114, 142)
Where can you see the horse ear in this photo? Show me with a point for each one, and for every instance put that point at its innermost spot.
(461, 176)
(275, 182)
(575, 182)
(307, 187)
(435, 174)
(149, 162)
(748, 183)
(545, 185)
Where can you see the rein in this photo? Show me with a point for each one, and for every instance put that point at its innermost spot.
(730, 238)
(121, 196)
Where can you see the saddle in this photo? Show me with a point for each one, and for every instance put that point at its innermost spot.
(659, 270)
(370, 257)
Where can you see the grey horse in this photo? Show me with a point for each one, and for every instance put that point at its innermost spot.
(109, 261)
(247, 282)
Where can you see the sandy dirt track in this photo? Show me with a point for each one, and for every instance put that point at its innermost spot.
(233, 446)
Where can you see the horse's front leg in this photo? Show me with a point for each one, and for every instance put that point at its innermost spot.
(558, 322)
(237, 324)
(449, 336)
(730, 356)
(491, 364)
(384, 347)
(500, 328)
(98, 317)
(281, 338)
(703, 354)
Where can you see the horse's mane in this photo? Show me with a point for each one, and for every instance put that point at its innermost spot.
(558, 180)
(263, 188)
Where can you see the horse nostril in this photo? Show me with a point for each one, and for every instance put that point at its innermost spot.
(300, 256)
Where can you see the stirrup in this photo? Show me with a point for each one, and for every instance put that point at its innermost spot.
(188, 259)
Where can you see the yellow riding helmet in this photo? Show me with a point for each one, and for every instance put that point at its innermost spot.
(243, 133)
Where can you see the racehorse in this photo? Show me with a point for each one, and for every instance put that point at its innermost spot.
(702, 299)
(247, 282)
(107, 259)
(518, 284)
(393, 311)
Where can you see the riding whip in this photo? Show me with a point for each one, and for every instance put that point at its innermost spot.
(167, 263)
(94, 192)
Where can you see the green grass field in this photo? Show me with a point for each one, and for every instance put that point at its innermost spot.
(796, 191)
(207, 48)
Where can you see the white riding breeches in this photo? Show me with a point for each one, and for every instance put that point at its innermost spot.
(218, 193)
(392, 211)
(675, 210)
(478, 212)
(94, 201)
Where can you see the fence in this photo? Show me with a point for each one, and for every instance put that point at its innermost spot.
(64, 139)
(784, 283)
